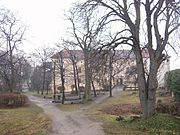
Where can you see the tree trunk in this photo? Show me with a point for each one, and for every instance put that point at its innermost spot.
(147, 85)
(94, 90)
(47, 90)
(87, 94)
(110, 76)
(152, 87)
(77, 75)
(11, 87)
(63, 88)
(54, 80)
(62, 72)
(44, 77)
(75, 78)
(142, 85)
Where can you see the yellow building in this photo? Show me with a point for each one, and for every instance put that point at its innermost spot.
(123, 70)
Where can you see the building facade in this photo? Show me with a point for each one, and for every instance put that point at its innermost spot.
(123, 70)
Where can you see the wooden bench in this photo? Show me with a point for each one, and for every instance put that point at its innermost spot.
(100, 91)
(72, 98)
(129, 87)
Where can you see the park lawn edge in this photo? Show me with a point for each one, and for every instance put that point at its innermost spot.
(27, 120)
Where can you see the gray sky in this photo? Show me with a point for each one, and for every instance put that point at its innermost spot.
(43, 18)
(45, 22)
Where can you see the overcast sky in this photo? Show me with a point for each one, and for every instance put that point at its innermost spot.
(45, 21)
(43, 18)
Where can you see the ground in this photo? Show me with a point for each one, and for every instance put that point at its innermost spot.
(126, 104)
(98, 117)
(68, 123)
(71, 119)
(27, 120)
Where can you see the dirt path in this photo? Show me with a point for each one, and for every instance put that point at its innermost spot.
(72, 123)
(68, 123)
(115, 91)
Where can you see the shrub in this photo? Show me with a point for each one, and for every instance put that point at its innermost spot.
(173, 82)
(12, 100)
(172, 108)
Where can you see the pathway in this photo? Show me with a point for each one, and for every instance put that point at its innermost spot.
(72, 123)
(68, 123)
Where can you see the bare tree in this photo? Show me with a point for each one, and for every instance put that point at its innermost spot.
(36, 79)
(85, 33)
(11, 35)
(44, 54)
(158, 14)
(48, 79)
(74, 59)
(98, 61)
(22, 71)
(114, 63)
(59, 58)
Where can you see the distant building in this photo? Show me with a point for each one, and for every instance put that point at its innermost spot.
(163, 69)
(124, 69)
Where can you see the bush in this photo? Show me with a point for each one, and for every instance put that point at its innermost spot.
(12, 100)
(173, 82)
(172, 108)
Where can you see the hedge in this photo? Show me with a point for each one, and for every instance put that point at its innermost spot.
(173, 82)
(12, 100)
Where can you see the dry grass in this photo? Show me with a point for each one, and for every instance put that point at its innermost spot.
(125, 97)
(110, 125)
(113, 127)
(28, 120)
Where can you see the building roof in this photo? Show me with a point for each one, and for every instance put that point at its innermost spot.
(120, 54)
(69, 53)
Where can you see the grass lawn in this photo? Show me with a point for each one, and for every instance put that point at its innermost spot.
(29, 120)
(160, 124)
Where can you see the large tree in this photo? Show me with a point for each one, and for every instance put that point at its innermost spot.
(158, 19)
(59, 58)
(22, 71)
(36, 79)
(84, 33)
(43, 54)
(11, 35)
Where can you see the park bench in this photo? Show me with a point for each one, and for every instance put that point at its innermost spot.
(68, 97)
(73, 99)
(130, 87)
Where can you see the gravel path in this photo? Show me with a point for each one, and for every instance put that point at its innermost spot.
(68, 123)
(72, 123)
